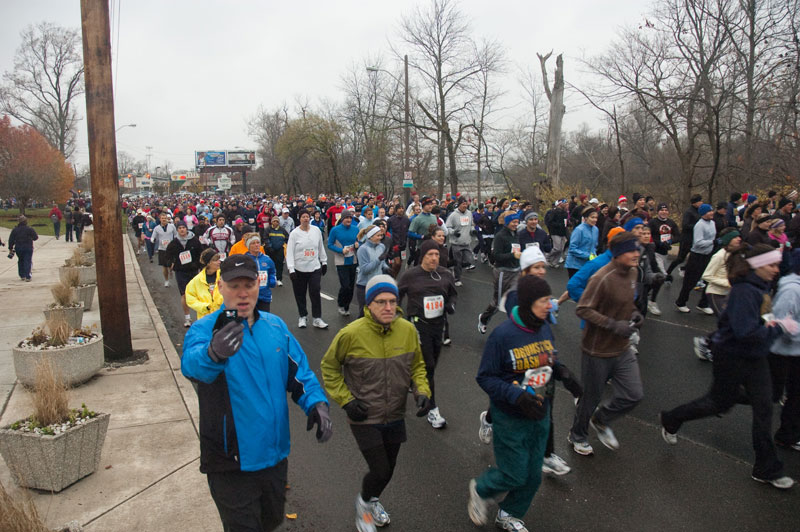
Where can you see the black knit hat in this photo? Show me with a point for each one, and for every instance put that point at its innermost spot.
(529, 289)
(427, 245)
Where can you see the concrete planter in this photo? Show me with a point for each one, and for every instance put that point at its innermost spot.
(77, 363)
(72, 315)
(85, 294)
(52, 463)
(88, 274)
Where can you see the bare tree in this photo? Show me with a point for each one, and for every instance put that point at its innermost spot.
(442, 53)
(47, 77)
(557, 110)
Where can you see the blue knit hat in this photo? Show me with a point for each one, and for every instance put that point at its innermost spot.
(633, 222)
(704, 209)
(378, 285)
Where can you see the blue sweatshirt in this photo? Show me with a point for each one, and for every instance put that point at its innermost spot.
(577, 284)
(509, 352)
(339, 237)
(369, 261)
(266, 276)
(741, 331)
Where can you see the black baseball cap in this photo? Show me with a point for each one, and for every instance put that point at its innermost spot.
(237, 266)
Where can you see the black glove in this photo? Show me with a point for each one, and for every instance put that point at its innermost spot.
(457, 234)
(319, 416)
(324, 269)
(563, 374)
(226, 341)
(637, 320)
(356, 410)
(622, 328)
(659, 278)
(423, 405)
(450, 309)
(531, 406)
(293, 276)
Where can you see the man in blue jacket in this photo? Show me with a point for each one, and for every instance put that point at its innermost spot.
(245, 366)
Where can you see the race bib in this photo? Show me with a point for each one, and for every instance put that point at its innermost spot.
(221, 256)
(164, 243)
(310, 253)
(338, 215)
(538, 378)
(251, 221)
(531, 245)
(433, 305)
(185, 257)
(464, 220)
(403, 255)
(141, 224)
(515, 247)
(666, 238)
(347, 251)
(263, 277)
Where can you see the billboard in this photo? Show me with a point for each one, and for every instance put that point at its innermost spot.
(183, 176)
(241, 158)
(210, 158)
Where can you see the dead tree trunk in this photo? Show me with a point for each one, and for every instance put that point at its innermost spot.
(557, 110)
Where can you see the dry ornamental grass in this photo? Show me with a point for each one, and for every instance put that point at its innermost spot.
(59, 331)
(19, 514)
(62, 294)
(79, 259)
(50, 396)
(87, 245)
(72, 278)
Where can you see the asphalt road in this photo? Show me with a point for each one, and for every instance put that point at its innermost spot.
(703, 483)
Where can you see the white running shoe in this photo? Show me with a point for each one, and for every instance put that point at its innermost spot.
(319, 323)
(581, 447)
(435, 419)
(365, 522)
(652, 308)
(481, 325)
(477, 507)
(279, 283)
(459, 283)
(485, 432)
(605, 434)
(379, 515)
(701, 349)
(187, 323)
(504, 521)
(447, 341)
(669, 437)
(555, 465)
(302, 322)
(342, 311)
(705, 310)
(782, 483)
(166, 284)
(684, 309)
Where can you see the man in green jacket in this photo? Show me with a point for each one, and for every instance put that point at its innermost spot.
(386, 348)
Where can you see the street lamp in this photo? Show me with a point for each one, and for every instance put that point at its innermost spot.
(406, 161)
(126, 125)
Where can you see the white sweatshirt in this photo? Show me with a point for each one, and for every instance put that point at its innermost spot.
(305, 250)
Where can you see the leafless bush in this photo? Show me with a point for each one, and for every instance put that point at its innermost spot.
(19, 514)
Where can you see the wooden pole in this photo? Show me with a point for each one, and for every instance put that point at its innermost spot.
(111, 289)
(407, 161)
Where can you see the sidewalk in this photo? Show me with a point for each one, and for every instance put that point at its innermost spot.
(148, 478)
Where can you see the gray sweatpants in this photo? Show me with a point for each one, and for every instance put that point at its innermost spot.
(557, 253)
(504, 280)
(626, 384)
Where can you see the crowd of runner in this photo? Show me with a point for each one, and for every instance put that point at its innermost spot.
(404, 266)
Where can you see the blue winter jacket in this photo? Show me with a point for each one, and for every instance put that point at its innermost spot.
(582, 244)
(577, 284)
(339, 237)
(741, 331)
(266, 276)
(244, 412)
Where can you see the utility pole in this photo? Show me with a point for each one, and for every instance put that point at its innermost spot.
(111, 288)
(149, 149)
(407, 162)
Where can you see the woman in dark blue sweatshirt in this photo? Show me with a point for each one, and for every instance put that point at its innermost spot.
(740, 347)
(520, 413)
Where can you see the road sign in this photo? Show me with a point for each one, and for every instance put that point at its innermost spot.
(407, 182)
(224, 183)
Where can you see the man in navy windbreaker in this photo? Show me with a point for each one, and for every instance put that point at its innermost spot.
(245, 366)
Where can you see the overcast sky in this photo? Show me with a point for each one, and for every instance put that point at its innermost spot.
(189, 74)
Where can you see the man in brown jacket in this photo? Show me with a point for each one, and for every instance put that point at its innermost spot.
(607, 307)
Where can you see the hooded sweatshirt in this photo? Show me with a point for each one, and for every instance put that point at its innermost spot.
(183, 253)
(787, 304)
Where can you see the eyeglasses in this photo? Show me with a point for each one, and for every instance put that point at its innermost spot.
(385, 302)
